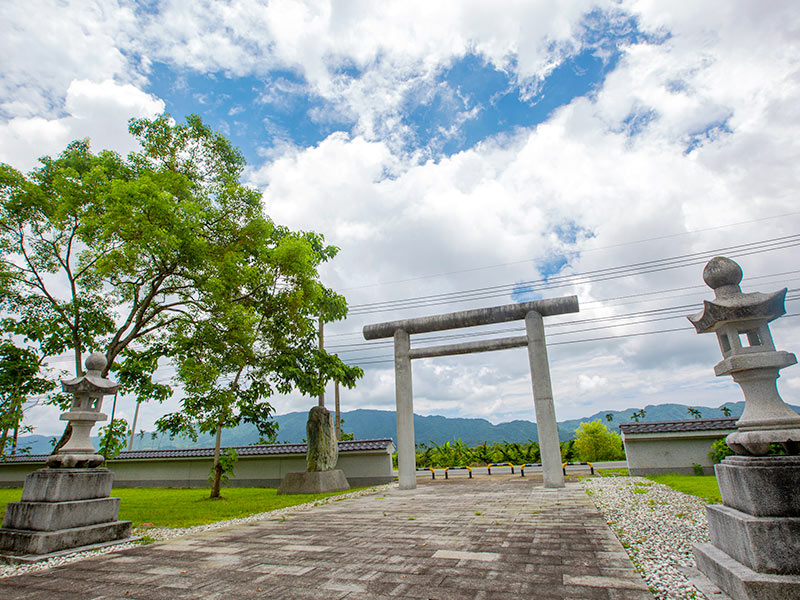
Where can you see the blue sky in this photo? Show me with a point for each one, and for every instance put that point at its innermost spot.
(457, 152)
(464, 102)
(256, 113)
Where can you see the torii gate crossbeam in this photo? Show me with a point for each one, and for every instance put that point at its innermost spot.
(532, 313)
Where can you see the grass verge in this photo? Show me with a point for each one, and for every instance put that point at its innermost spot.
(617, 472)
(703, 486)
(166, 507)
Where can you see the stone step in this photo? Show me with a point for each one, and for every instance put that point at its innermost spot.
(54, 516)
(63, 485)
(19, 542)
(741, 582)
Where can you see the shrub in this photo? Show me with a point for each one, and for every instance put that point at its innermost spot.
(594, 442)
(719, 450)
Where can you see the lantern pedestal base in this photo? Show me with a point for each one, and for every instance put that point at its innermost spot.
(764, 544)
(74, 461)
(741, 582)
(314, 482)
(62, 509)
(763, 486)
(755, 535)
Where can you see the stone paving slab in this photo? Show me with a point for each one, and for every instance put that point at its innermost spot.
(493, 539)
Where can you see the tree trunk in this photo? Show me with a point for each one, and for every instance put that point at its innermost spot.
(217, 479)
(3, 439)
(64, 438)
(217, 467)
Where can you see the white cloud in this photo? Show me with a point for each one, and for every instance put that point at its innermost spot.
(587, 384)
(99, 111)
(47, 44)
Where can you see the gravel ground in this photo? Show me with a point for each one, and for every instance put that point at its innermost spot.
(164, 533)
(657, 526)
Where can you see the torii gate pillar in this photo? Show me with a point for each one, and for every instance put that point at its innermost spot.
(546, 424)
(406, 448)
(532, 312)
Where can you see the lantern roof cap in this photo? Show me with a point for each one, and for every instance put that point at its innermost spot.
(93, 380)
(731, 304)
(723, 276)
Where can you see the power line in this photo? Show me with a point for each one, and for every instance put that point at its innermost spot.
(681, 309)
(592, 276)
(584, 303)
(584, 251)
(382, 360)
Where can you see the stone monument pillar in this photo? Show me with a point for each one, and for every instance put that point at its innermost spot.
(321, 456)
(66, 505)
(755, 535)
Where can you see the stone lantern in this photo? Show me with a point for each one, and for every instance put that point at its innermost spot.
(741, 322)
(755, 534)
(67, 505)
(87, 393)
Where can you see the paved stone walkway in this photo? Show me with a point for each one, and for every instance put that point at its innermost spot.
(498, 538)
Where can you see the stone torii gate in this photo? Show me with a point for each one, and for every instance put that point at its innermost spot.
(532, 313)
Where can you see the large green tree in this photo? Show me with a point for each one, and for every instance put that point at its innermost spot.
(134, 256)
(258, 338)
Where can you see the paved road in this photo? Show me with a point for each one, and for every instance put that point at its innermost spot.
(493, 538)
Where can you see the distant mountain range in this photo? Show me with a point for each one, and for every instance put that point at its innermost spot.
(366, 424)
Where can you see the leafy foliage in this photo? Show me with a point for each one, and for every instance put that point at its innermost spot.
(594, 442)
(719, 450)
(165, 254)
(113, 437)
(569, 452)
(455, 454)
(19, 379)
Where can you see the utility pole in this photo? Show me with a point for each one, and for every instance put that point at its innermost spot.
(338, 412)
(133, 428)
(321, 347)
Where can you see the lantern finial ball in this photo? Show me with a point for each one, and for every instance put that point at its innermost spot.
(96, 361)
(722, 272)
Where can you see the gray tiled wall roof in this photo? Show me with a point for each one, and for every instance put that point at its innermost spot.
(344, 447)
(677, 426)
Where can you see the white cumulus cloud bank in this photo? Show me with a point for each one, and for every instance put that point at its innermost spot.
(689, 144)
(709, 167)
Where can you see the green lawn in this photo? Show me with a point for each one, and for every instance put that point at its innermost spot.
(188, 507)
(704, 486)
